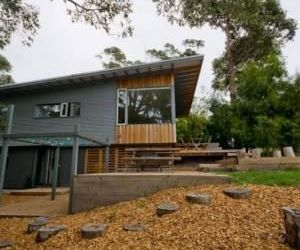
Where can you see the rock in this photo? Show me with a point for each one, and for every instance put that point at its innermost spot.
(134, 227)
(292, 226)
(45, 232)
(36, 224)
(6, 243)
(238, 193)
(198, 198)
(91, 231)
(166, 208)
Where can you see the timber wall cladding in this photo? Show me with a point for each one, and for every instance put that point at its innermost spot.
(147, 82)
(146, 133)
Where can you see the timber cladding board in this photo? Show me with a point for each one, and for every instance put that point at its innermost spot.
(103, 189)
(165, 80)
(146, 133)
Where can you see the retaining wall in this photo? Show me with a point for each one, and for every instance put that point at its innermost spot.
(90, 191)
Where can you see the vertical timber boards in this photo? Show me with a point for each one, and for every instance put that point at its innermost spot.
(166, 80)
(95, 159)
(146, 133)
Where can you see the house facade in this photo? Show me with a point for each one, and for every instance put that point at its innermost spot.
(132, 106)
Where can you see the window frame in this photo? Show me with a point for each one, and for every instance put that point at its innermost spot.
(126, 105)
(61, 115)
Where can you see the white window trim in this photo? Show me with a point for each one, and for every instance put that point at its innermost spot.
(126, 98)
(126, 107)
(64, 106)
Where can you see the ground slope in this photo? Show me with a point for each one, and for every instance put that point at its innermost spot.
(255, 223)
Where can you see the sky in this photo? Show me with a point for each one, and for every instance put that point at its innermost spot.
(62, 47)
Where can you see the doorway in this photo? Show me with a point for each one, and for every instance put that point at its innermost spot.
(44, 166)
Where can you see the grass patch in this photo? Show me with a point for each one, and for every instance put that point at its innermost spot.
(270, 178)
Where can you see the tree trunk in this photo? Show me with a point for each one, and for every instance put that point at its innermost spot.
(230, 64)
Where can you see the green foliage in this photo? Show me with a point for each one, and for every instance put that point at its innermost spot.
(5, 68)
(191, 48)
(270, 178)
(17, 15)
(253, 29)
(193, 126)
(114, 57)
(266, 110)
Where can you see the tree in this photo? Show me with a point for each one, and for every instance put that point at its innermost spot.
(266, 111)
(5, 68)
(252, 28)
(18, 15)
(191, 48)
(114, 57)
(193, 126)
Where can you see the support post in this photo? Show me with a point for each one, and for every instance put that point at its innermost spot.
(106, 167)
(74, 166)
(55, 173)
(5, 145)
(34, 167)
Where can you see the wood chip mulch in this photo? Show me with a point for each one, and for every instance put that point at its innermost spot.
(254, 223)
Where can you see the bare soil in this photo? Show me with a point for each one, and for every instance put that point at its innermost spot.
(254, 223)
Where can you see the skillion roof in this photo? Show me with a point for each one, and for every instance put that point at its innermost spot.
(186, 72)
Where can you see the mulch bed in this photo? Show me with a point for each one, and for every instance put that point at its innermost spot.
(253, 223)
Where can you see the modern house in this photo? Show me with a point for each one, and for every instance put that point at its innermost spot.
(131, 106)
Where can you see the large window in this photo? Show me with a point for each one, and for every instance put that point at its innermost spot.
(52, 110)
(144, 106)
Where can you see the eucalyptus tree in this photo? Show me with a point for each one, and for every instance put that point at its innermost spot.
(114, 57)
(252, 29)
(5, 68)
(18, 15)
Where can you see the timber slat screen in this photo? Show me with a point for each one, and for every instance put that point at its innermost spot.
(146, 133)
(95, 160)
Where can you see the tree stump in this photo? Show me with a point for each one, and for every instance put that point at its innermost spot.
(166, 208)
(277, 153)
(288, 152)
(134, 227)
(256, 152)
(6, 243)
(198, 198)
(238, 193)
(292, 226)
(45, 232)
(36, 224)
(91, 231)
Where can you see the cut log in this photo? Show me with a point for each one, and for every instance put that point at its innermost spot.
(166, 208)
(6, 243)
(134, 227)
(238, 193)
(91, 231)
(292, 226)
(256, 152)
(198, 198)
(36, 224)
(277, 153)
(45, 232)
(288, 152)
